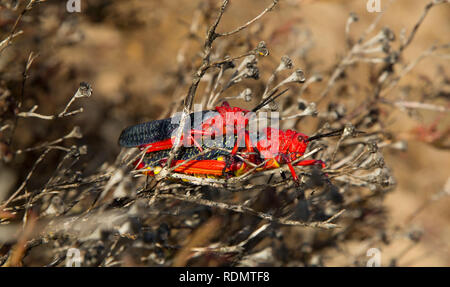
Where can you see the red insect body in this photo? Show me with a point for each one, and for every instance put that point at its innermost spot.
(290, 146)
(279, 147)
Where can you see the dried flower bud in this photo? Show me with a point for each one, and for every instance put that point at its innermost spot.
(296, 77)
(385, 178)
(373, 160)
(372, 146)
(228, 64)
(285, 64)
(302, 105)
(378, 160)
(415, 235)
(388, 34)
(386, 48)
(373, 177)
(348, 131)
(400, 145)
(84, 91)
(353, 17)
(75, 133)
(261, 49)
(246, 69)
(392, 58)
(251, 72)
(83, 149)
(336, 111)
(246, 94)
(385, 35)
(300, 76)
(310, 110)
(316, 78)
(249, 60)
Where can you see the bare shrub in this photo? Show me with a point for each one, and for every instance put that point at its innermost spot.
(116, 216)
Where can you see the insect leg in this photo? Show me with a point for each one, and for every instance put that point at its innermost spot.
(157, 146)
(198, 132)
(190, 137)
(311, 162)
(294, 175)
(240, 135)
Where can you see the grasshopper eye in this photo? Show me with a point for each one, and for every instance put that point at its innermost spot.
(301, 138)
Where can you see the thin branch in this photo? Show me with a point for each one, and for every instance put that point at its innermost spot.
(84, 91)
(240, 28)
(243, 209)
(6, 42)
(24, 183)
(419, 22)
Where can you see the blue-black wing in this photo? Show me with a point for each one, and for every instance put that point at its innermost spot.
(151, 132)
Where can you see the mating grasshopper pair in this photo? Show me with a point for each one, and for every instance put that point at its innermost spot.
(157, 137)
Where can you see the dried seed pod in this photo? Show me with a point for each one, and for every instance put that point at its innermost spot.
(84, 91)
(311, 110)
(388, 34)
(302, 105)
(349, 131)
(353, 17)
(296, 77)
(372, 146)
(247, 95)
(75, 133)
(251, 72)
(261, 49)
(285, 64)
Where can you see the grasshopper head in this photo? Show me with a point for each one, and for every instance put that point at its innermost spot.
(298, 145)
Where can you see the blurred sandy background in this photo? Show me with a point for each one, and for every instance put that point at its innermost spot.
(127, 49)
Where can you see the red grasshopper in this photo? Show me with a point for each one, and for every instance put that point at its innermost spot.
(157, 138)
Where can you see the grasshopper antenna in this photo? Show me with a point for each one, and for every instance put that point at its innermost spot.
(269, 99)
(330, 134)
